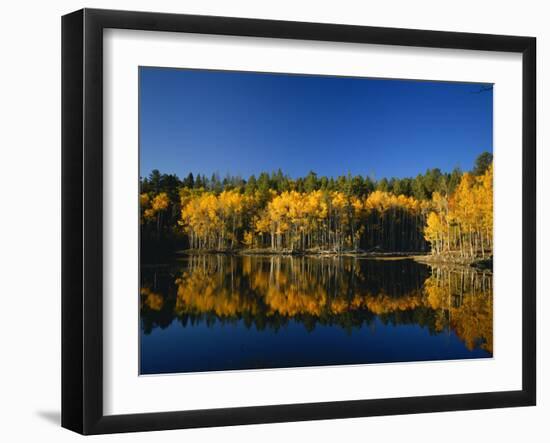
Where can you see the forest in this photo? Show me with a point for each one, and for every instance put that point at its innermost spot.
(444, 213)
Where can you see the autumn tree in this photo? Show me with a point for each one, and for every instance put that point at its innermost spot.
(451, 212)
(463, 221)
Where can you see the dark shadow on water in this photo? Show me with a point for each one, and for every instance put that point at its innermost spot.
(54, 417)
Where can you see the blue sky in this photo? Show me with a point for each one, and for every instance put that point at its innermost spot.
(244, 123)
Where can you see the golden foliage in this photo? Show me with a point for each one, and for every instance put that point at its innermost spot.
(152, 300)
(463, 221)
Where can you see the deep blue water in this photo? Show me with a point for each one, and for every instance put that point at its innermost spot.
(231, 313)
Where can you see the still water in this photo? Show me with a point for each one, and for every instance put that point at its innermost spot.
(220, 312)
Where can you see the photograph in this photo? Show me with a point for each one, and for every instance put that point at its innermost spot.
(295, 220)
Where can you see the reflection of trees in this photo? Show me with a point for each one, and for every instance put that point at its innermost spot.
(151, 300)
(156, 286)
(462, 300)
(268, 292)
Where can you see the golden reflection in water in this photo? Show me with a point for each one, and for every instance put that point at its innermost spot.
(444, 299)
(463, 300)
(152, 300)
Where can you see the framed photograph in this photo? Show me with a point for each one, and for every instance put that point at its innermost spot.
(269, 221)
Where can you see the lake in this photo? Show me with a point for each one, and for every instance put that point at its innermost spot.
(230, 312)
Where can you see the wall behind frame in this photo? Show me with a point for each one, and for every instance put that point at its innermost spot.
(30, 157)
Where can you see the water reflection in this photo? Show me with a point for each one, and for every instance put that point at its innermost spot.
(346, 293)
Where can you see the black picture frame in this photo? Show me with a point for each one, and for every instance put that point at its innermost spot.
(82, 215)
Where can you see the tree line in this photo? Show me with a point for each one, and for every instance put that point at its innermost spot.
(447, 212)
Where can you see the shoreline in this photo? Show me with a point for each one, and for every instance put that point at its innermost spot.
(479, 263)
(297, 253)
(421, 257)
